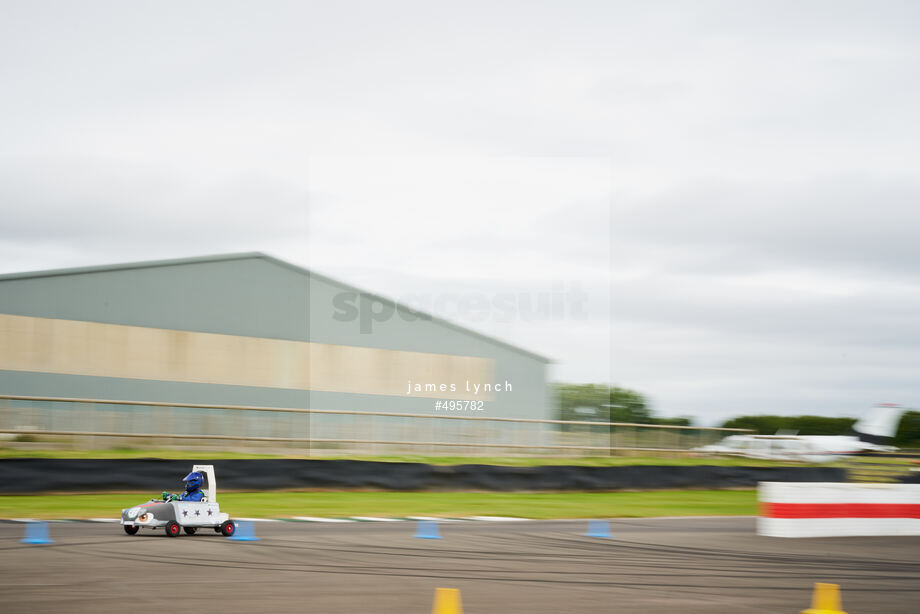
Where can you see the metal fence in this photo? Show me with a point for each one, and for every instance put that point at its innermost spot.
(97, 423)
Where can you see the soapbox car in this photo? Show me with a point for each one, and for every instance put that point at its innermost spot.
(176, 516)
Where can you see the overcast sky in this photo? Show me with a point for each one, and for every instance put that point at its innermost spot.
(714, 203)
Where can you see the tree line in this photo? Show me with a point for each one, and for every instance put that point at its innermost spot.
(907, 435)
(602, 403)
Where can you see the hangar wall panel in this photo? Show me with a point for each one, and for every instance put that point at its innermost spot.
(46, 345)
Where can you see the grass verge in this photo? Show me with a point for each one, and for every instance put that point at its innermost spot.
(400, 504)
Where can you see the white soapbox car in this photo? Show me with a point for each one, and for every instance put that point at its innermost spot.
(176, 516)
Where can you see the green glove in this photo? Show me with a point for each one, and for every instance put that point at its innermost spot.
(165, 496)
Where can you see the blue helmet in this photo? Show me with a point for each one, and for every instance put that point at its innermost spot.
(193, 481)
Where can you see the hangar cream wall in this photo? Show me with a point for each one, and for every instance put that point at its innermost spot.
(46, 345)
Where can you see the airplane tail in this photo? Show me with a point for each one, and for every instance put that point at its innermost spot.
(880, 423)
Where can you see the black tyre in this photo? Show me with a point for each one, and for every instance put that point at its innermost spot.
(228, 528)
(217, 529)
(172, 528)
(189, 530)
(131, 529)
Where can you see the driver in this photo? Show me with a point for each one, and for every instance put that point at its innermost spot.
(193, 482)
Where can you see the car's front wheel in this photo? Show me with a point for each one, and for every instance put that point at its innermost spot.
(172, 528)
(131, 529)
(228, 528)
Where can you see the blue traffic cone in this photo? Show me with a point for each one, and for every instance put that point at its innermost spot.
(37, 533)
(598, 528)
(427, 529)
(245, 532)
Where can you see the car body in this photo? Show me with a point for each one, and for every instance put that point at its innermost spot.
(175, 516)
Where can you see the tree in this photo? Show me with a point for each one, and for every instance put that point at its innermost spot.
(575, 399)
(803, 425)
(908, 435)
(602, 403)
(628, 406)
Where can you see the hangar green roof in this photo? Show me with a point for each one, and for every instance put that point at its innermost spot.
(257, 255)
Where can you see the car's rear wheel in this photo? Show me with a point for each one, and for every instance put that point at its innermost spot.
(189, 530)
(131, 529)
(172, 528)
(227, 528)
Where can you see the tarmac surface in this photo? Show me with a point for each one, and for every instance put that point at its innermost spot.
(700, 565)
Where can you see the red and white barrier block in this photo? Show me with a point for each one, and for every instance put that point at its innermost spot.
(829, 509)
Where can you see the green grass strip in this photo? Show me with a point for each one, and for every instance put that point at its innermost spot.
(401, 504)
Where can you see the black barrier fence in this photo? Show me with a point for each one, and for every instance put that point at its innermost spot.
(64, 475)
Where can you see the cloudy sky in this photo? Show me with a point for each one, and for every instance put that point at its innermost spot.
(714, 203)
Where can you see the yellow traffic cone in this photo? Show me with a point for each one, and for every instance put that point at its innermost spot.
(447, 601)
(825, 600)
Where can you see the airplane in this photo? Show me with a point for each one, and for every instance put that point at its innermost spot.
(872, 431)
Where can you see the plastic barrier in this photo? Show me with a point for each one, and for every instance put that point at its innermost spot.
(836, 509)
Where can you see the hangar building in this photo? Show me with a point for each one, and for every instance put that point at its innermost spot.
(248, 329)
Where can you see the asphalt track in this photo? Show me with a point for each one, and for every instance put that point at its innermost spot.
(704, 565)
